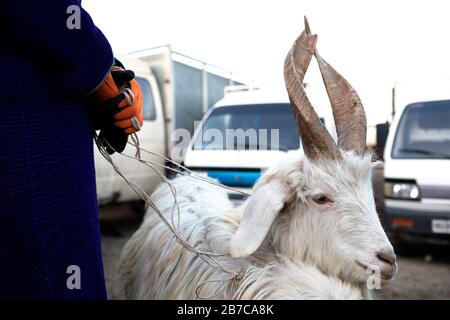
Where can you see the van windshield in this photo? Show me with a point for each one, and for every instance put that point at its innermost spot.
(249, 127)
(424, 131)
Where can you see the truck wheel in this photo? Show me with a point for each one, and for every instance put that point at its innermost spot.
(408, 245)
(401, 245)
(170, 173)
(139, 207)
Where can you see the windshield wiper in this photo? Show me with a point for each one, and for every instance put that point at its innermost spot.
(281, 148)
(425, 152)
(247, 146)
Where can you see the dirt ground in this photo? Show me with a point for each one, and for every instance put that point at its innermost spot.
(424, 271)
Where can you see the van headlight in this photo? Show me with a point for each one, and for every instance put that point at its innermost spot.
(401, 190)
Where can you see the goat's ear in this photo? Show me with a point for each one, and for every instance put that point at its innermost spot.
(259, 214)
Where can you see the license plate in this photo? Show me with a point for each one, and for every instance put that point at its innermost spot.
(440, 226)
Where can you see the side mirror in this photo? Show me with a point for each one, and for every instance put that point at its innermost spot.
(382, 133)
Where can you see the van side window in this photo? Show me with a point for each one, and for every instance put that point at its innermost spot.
(148, 104)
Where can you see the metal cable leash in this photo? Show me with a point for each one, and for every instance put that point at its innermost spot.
(207, 257)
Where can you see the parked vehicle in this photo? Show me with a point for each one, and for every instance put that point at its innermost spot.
(177, 91)
(242, 135)
(417, 167)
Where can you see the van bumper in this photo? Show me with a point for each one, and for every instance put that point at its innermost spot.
(416, 217)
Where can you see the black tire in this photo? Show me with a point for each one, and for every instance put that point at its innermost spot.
(170, 174)
(408, 245)
(403, 247)
(139, 207)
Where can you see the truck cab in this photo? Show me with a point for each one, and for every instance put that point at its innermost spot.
(417, 164)
(177, 90)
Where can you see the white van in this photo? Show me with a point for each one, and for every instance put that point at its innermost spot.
(417, 163)
(241, 136)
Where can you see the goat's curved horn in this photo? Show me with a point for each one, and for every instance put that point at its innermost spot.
(348, 111)
(317, 141)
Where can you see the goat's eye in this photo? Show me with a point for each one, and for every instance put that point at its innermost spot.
(322, 199)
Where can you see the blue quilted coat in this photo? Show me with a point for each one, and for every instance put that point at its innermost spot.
(48, 209)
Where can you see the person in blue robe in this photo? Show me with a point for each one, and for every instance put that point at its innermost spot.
(49, 230)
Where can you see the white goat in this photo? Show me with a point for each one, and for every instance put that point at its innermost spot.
(309, 231)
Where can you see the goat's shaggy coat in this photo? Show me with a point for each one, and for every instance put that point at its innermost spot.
(155, 266)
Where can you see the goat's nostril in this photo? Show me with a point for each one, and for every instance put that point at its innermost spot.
(388, 257)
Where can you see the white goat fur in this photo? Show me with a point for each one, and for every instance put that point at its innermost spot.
(308, 252)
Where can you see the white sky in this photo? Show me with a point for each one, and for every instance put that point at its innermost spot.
(373, 44)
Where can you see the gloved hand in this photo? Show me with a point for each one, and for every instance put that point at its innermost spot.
(128, 115)
(116, 108)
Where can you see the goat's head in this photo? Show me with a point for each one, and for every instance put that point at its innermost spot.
(320, 208)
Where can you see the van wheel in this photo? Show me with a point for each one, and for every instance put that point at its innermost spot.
(139, 207)
(407, 245)
(402, 247)
(171, 173)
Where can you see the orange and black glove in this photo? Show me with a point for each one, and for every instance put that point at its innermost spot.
(116, 108)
